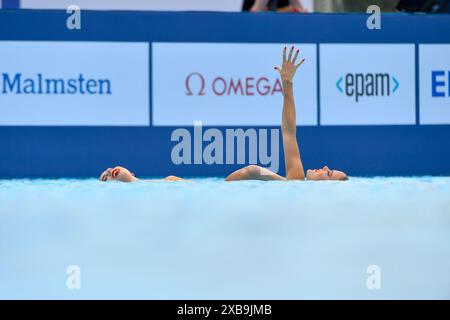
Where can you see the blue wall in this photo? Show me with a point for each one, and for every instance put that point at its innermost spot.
(86, 151)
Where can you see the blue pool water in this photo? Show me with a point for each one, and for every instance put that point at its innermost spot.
(209, 239)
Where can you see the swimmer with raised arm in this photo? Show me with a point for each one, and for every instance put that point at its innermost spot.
(292, 159)
(293, 162)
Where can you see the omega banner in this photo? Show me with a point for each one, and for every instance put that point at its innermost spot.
(228, 84)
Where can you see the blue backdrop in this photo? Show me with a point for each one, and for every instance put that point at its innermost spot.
(86, 151)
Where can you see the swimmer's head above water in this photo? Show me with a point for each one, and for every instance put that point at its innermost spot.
(325, 174)
(124, 175)
(117, 174)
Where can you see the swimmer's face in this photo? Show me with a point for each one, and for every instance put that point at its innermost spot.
(325, 174)
(118, 174)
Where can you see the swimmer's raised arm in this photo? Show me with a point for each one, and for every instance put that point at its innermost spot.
(293, 162)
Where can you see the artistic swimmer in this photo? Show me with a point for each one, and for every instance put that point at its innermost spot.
(293, 161)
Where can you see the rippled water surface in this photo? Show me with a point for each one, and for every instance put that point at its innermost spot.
(208, 239)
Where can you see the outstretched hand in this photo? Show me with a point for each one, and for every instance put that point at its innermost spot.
(288, 68)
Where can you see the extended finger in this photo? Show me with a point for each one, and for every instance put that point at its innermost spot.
(278, 68)
(284, 56)
(295, 56)
(290, 54)
(300, 63)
